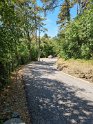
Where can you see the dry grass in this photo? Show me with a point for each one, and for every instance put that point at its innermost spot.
(13, 99)
(78, 68)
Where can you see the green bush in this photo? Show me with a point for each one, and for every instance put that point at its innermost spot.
(78, 37)
(47, 47)
(34, 53)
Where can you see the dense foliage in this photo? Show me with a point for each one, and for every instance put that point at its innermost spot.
(47, 46)
(76, 39)
(19, 22)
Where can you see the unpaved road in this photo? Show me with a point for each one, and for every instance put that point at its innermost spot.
(57, 98)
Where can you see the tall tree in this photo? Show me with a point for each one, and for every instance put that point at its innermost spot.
(64, 14)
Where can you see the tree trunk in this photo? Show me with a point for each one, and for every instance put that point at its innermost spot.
(39, 46)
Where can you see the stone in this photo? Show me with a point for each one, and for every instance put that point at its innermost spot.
(50, 56)
(14, 121)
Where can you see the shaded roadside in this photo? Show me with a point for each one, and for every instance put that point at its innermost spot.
(13, 99)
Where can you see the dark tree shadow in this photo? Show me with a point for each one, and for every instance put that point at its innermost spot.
(53, 102)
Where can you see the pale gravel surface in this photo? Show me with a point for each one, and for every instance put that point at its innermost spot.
(55, 97)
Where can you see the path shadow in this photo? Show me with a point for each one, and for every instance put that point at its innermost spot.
(53, 102)
(40, 68)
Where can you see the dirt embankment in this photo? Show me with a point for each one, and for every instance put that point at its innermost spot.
(79, 68)
(13, 99)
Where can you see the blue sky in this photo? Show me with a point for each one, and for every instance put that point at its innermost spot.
(51, 23)
(52, 18)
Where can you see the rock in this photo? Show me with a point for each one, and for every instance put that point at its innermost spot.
(82, 75)
(14, 121)
(16, 115)
(50, 56)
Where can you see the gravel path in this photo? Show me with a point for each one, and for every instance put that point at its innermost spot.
(55, 97)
